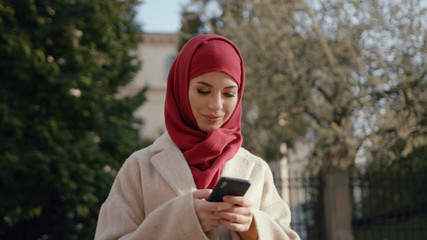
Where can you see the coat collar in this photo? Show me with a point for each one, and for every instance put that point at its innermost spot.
(173, 167)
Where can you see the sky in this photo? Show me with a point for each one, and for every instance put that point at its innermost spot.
(160, 16)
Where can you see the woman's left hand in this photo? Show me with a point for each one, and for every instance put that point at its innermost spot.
(239, 218)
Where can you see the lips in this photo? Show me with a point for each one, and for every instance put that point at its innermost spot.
(213, 118)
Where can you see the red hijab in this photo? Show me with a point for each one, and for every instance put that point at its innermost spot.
(206, 153)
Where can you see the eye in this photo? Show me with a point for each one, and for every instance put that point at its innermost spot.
(203, 92)
(230, 94)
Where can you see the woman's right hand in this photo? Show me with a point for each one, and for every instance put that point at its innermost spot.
(206, 210)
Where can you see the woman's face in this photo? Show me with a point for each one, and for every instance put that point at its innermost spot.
(213, 97)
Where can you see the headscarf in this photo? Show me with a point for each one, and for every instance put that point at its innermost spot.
(206, 153)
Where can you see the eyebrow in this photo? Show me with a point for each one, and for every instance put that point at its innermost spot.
(209, 85)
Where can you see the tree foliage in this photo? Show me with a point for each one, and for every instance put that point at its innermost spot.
(63, 133)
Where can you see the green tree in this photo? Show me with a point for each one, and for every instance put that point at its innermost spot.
(353, 71)
(63, 133)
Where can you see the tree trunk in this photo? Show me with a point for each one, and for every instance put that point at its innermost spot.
(337, 204)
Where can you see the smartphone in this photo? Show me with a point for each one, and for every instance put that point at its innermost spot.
(229, 186)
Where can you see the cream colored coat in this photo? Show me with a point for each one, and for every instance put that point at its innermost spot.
(152, 198)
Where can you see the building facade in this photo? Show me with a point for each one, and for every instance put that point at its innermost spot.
(157, 52)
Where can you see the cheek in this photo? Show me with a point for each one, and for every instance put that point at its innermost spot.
(197, 104)
(229, 107)
(193, 102)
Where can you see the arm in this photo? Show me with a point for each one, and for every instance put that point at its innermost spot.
(123, 216)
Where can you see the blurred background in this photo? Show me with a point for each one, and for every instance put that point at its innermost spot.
(335, 101)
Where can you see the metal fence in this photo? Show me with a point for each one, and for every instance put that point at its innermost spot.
(390, 206)
(385, 206)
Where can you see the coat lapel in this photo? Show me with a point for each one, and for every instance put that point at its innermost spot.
(238, 167)
(172, 166)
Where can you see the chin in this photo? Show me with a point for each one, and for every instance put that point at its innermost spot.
(210, 129)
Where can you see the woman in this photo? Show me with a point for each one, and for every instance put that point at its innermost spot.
(161, 191)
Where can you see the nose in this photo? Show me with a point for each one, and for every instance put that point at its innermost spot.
(215, 102)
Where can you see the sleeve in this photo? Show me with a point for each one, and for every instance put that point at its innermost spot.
(122, 215)
(273, 218)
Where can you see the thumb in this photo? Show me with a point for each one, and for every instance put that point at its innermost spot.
(202, 193)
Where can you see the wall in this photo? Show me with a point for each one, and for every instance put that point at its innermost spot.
(156, 52)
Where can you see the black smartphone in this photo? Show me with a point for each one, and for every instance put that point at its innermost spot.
(229, 186)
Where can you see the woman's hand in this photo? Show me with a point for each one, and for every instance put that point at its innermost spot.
(207, 211)
(239, 217)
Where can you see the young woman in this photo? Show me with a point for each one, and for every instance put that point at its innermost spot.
(160, 192)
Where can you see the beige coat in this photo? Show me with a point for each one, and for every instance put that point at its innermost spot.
(152, 198)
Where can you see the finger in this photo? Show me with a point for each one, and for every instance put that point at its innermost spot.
(202, 193)
(219, 206)
(207, 209)
(245, 211)
(235, 217)
(210, 225)
(235, 226)
(207, 219)
(237, 200)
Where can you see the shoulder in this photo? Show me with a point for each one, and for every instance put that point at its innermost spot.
(135, 162)
(139, 156)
